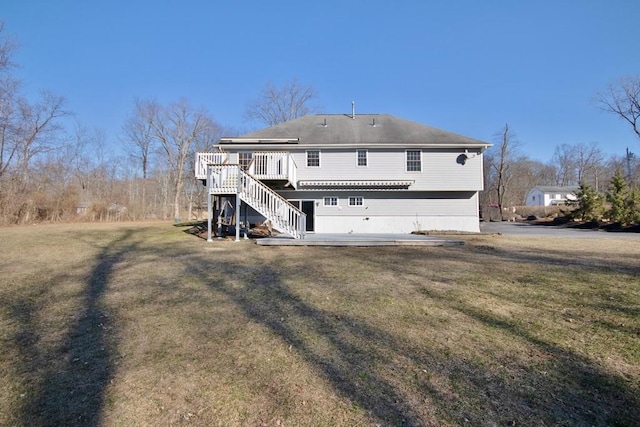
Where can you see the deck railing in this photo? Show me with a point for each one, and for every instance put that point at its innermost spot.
(204, 159)
(277, 165)
(273, 166)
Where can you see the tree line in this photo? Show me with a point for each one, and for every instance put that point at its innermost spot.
(55, 169)
(509, 174)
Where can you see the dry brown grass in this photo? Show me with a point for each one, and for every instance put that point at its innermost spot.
(141, 324)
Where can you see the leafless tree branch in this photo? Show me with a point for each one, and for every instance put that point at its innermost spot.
(623, 99)
(277, 105)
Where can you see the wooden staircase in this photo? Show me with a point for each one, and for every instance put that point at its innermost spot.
(229, 179)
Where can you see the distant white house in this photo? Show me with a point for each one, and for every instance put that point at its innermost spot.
(551, 195)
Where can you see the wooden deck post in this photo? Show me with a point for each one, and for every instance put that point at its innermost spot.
(209, 204)
(209, 216)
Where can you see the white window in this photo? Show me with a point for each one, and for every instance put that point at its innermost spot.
(330, 201)
(414, 161)
(361, 157)
(356, 201)
(313, 158)
(244, 158)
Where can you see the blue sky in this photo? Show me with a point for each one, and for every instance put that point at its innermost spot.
(467, 66)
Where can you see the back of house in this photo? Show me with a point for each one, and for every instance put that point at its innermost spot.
(368, 173)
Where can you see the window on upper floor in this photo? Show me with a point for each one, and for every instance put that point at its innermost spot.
(244, 158)
(414, 161)
(330, 201)
(313, 158)
(361, 157)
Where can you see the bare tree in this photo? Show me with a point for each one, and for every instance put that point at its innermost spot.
(277, 105)
(8, 122)
(500, 161)
(28, 131)
(589, 161)
(177, 127)
(37, 127)
(564, 157)
(8, 102)
(623, 99)
(87, 158)
(138, 131)
(579, 163)
(8, 46)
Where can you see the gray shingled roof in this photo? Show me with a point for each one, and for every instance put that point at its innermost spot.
(363, 129)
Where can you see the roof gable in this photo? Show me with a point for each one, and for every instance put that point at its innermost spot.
(362, 129)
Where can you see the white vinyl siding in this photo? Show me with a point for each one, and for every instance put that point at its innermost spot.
(395, 212)
(418, 203)
(440, 171)
(388, 203)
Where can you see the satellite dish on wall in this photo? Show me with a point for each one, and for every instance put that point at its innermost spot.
(462, 159)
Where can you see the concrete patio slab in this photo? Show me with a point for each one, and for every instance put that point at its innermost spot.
(331, 239)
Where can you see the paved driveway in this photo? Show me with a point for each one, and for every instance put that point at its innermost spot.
(527, 229)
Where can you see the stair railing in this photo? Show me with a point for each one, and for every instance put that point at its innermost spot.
(231, 179)
(283, 215)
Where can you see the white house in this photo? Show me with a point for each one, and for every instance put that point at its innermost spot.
(551, 195)
(337, 173)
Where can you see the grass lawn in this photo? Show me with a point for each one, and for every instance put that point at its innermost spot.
(141, 324)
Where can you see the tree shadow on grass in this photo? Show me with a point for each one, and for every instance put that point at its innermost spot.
(355, 358)
(69, 382)
(569, 389)
(368, 366)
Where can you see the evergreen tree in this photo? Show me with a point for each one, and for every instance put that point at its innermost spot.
(617, 196)
(633, 207)
(590, 204)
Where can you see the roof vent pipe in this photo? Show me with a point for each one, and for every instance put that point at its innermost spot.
(353, 110)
